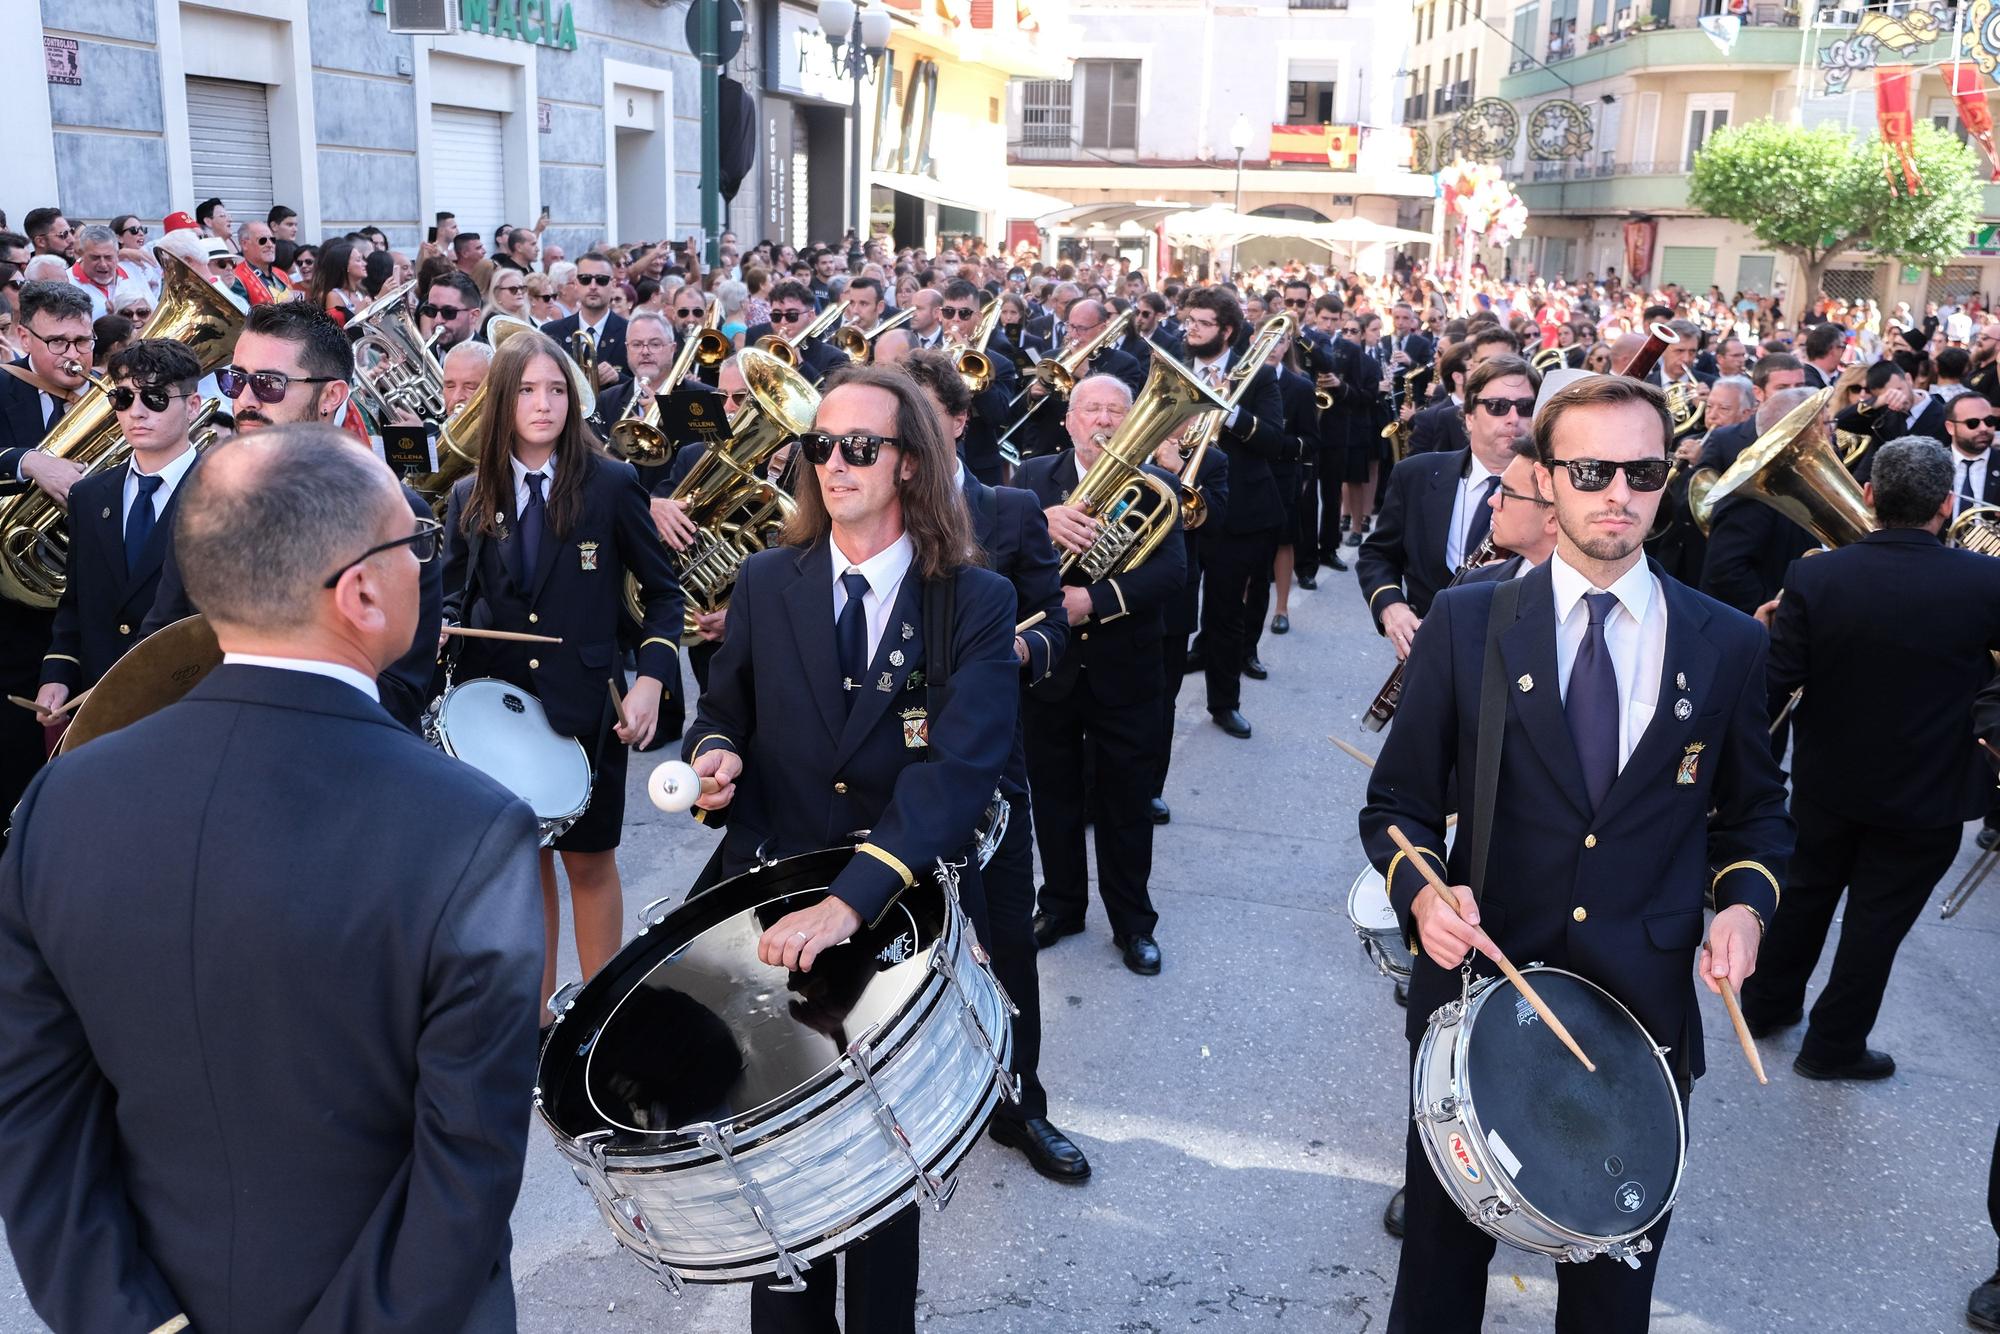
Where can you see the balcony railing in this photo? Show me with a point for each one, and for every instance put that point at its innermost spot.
(1602, 169)
(1455, 98)
(1318, 4)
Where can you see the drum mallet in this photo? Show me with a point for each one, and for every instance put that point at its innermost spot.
(674, 787)
(1368, 762)
(1491, 950)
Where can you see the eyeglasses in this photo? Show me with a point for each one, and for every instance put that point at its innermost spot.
(262, 240)
(787, 315)
(1499, 407)
(62, 347)
(510, 287)
(860, 451)
(958, 312)
(424, 544)
(1595, 474)
(269, 386)
(152, 395)
(600, 279)
(1975, 421)
(1532, 500)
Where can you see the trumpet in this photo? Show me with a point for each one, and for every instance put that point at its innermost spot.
(1194, 509)
(859, 344)
(974, 367)
(1058, 375)
(786, 349)
(1549, 358)
(636, 436)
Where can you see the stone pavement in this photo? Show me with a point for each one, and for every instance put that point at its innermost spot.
(1243, 1110)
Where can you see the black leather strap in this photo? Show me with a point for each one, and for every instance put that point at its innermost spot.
(1492, 730)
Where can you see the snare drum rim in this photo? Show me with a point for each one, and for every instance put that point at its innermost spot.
(552, 827)
(1474, 1133)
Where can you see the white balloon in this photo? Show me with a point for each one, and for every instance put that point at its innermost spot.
(674, 787)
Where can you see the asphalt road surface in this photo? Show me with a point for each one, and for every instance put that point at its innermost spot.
(1243, 1111)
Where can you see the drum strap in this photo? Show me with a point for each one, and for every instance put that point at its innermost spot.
(940, 610)
(1492, 730)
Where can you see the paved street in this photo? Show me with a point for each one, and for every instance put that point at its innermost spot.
(1244, 1110)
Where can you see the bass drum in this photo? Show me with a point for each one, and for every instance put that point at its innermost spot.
(734, 1120)
(1538, 1151)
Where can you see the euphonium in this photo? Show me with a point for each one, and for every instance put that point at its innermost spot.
(458, 435)
(1194, 509)
(1793, 468)
(859, 344)
(1135, 510)
(974, 366)
(34, 532)
(636, 436)
(786, 349)
(394, 368)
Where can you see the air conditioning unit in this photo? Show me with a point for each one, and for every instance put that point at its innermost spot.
(424, 18)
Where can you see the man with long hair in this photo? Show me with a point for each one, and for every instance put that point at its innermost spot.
(822, 716)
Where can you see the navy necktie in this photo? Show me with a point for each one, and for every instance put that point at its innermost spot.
(1481, 522)
(534, 523)
(56, 409)
(850, 634)
(1965, 497)
(1592, 702)
(139, 523)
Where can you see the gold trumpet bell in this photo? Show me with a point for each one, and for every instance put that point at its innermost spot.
(1794, 469)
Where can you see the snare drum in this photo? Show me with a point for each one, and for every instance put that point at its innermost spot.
(1538, 1151)
(500, 730)
(734, 1120)
(1375, 923)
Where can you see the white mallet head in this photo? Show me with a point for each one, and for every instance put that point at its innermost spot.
(674, 787)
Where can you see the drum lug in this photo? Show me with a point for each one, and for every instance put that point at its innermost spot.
(644, 913)
(1492, 1211)
(1444, 1109)
(565, 997)
(1447, 1014)
(941, 962)
(931, 1189)
(598, 1182)
(716, 1140)
(1630, 1252)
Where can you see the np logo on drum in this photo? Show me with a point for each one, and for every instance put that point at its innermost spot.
(1631, 1197)
(1461, 1158)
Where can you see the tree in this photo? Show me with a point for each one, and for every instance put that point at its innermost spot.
(1818, 193)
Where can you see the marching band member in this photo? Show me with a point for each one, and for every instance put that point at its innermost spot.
(1750, 544)
(1104, 699)
(538, 542)
(792, 308)
(1633, 708)
(464, 368)
(595, 316)
(1880, 810)
(1524, 519)
(989, 417)
(121, 519)
(678, 531)
(1014, 534)
(812, 727)
(1286, 443)
(1181, 613)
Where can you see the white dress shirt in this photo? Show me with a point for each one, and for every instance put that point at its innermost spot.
(170, 478)
(1978, 464)
(1471, 495)
(333, 671)
(547, 470)
(884, 572)
(1635, 633)
(1214, 373)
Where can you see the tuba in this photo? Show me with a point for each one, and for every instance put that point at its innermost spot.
(859, 344)
(394, 366)
(735, 511)
(1194, 509)
(786, 349)
(1794, 469)
(34, 532)
(458, 436)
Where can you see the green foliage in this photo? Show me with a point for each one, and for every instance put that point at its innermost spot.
(1817, 193)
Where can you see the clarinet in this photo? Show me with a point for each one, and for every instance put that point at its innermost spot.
(1390, 696)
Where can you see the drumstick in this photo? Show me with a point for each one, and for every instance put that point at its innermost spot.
(1365, 758)
(512, 636)
(1742, 1029)
(1492, 951)
(57, 712)
(617, 703)
(1031, 622)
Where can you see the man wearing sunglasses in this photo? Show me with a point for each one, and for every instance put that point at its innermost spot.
(594, 313)
(451, 312)
(960, 311)
(1435, 513)
(1892, 406)
(1632, 759)
(121, 520)
(353, 851)
(792, 308)
(292, 365)
(260, 255)
(839, 728)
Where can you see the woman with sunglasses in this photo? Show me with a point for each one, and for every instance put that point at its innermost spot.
(543, 308)
(338, 280)
(540, 539)
(506, 294)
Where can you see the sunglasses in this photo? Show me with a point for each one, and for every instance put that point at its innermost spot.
(510, 287)
(154, 397)
(425, 544)
(269, 386)
(860, 451)
(1298, 302)
(430, 310)
(1499, 407)
(1975, 421)
(958, 312)
(137, 314)
(691, 313)
(787, 316)
(599, 279)
(1595, 474)
(133, 231)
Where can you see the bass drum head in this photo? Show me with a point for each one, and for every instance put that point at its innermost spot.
(1368, 903)
(1599, 1154)
(687, 1025)
(501, 730)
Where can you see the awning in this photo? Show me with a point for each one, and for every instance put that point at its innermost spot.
(1365, 231)
(924, 187)
(1107, 219)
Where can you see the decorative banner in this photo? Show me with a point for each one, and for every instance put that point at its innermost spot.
(1639, 249)
(1840, 62)
(1558, 132)
(1973, 112)
(1489, 129)
(1892, 117)
(1333, 145)
(1420, 148)
(1981, 39)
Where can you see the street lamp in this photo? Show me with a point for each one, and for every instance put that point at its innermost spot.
(865, 34)
(1239, 139)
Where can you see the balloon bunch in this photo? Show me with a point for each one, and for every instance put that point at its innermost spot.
(1486, 205)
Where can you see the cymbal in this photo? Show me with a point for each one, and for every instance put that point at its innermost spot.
(155, 673)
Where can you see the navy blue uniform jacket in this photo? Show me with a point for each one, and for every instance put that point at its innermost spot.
(610, 347)
(815, 770)
(104, 605)
(1615, 895)
(1014, 534)
(1402, 559)
(269, 1057)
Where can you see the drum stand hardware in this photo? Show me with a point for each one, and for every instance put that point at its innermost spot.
(931, 1188)
(632, 1218)
(716, 1140)
(1975, 876)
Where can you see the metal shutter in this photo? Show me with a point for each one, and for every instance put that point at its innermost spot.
(229, 141)
(1691, 267)
(468, 168)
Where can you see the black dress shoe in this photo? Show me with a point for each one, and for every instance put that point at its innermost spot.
(1281, 624)
(1868, 1065)
(1160, 813)
(1142, 955)
(1233, 722)
(1196, 661)
(1255, 669)
(1987, 838)
(1764, 1028)
(1049, 1151)
(1048, 930)
(1308, 583)
(1336, 562)
(1982, 1309)
(1392, 1217)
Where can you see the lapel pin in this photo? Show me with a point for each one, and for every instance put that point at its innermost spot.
(500, 518)
(887, 683)
(1683, 710)
(106, 514)
(587, 554)
(1690, 759)
(847, 683)
(908, 633)
(1680, 680)
(896, 658)
(1526, 683)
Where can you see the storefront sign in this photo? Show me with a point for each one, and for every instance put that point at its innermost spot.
(538, 21)
(799, 60)
(65, 66)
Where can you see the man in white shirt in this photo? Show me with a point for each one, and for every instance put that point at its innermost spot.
(1969, 420)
